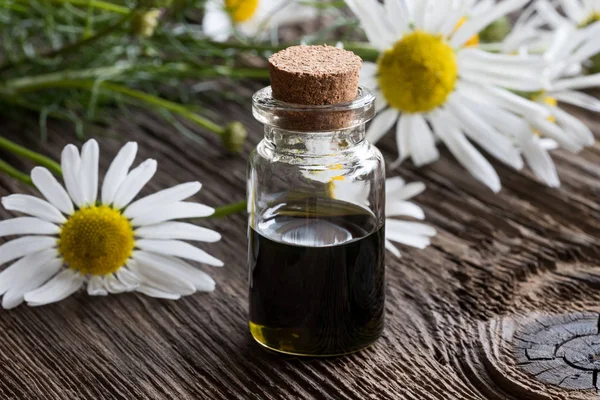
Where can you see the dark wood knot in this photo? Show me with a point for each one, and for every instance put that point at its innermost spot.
(562, 350)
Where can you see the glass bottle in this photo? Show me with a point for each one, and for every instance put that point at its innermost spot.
(316, 201)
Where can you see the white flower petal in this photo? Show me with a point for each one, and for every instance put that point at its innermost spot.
(372, 18)
(548, 144)
(394, 208)
(420, 13)
(452, 19)
(134, 182)
(580, 82)
(398, 14)
(27, 226)
(128, 278)
(163, 197)
(71, 164)
(585, 51)
(403, 135)
(481, 7)
(160, 279)
(381, 124)
(113, 285)
(581, 131)
(506, 70)
(482, 133)
(368, 75)
(201, 280)
(474, 25)
(33, 206)
(95, 286)
(159, 294)
(23, 246)
(407, 191)
(31, 278)
(436, 15)
(380, 101)
(504, 121)
(465, 153)
(553, 131)
(392, 249)
(10, 274)
(158, 214)
(408, 227)
(176, 230)
(58, 288)
(52, 190)
(509, 80)
(118, 171)
(574, 10)
(540, 162)
(422, 143)
(216, 23)
(419, 242)
(394, 185)
(550, 14)
(178, 249)
(503, 98)
(88, 174)
(579, 99)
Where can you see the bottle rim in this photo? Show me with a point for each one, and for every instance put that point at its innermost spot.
(281, 114)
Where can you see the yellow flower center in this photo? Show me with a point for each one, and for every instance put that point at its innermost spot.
(418, 73)
(96, 240)
(241, 10)
(474, 40)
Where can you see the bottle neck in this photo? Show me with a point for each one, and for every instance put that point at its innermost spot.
(314, 143)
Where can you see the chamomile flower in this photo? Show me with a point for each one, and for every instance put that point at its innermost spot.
(580, 15)
(568, 48)
(108, 245)
(250, 18)
(430, 65)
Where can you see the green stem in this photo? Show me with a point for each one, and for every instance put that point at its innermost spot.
(15, 173)
(363, 50)
(34, 81)
(69, 48)
(31, 155)
(229, 209)
(101, 5)
(14, 7)
(41, 84)
(187, 70)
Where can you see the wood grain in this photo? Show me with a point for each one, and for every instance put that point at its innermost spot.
(453, 311)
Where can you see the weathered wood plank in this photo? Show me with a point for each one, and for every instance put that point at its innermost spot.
(496, 260)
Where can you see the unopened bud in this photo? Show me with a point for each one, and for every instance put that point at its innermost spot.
(234, 136)
(496, 31)
(144, 22)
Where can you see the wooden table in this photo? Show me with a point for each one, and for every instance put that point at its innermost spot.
(503, 305)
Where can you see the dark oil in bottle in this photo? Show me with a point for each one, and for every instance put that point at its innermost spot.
(317, 278)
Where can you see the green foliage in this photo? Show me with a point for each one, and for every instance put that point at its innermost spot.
(76, 59)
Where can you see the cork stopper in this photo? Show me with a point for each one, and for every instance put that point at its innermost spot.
(314, 75)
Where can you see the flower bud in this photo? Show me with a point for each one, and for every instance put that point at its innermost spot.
(594, 65)
(144, 22)
(234, 136)
(496, 31)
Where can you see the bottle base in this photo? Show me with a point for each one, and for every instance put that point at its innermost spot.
(287, 348)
